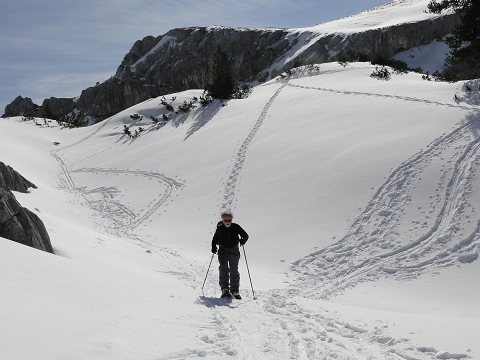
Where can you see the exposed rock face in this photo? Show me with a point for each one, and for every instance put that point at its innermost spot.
(53, 107)
(183, 58)
(21, 225)
(113, 96)
(57, 106)
(19, 106)
(12, 180)
(16, 222)
(386, 41)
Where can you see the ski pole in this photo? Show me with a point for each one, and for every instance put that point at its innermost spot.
(207, 271)
(246, 262)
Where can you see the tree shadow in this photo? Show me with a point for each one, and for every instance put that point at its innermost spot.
(203, 116)
(471, 93)
(178, 119)
(471, 96)
(473, 118)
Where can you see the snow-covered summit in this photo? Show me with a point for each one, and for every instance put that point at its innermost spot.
(393, 13)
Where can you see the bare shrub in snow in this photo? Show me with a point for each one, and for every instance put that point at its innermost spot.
(381, 73)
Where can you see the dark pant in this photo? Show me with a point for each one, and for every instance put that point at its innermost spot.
(229, 275)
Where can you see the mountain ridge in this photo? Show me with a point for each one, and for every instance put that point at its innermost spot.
(182, 58)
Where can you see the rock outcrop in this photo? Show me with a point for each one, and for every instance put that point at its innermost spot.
(56, 107)
(20, 105)
(52, 108)
(182, 58)
(12, 180)
(383, 41)
(16, 222)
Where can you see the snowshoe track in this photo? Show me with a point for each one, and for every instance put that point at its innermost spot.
(234, 177)
(379, 242)
(384, 96)
(118, 218)
(276, 327)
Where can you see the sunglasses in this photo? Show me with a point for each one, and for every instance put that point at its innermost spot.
(227, 220)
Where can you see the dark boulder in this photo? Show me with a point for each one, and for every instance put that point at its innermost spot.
(21, 225)
(12, 180)
(16, 222)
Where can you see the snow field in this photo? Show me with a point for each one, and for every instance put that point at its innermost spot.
(355, 192)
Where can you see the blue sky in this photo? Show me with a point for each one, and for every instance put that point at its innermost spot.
(58, 48)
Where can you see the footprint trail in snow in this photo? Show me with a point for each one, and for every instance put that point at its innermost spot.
(395, 237)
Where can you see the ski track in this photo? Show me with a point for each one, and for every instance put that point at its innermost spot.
(234, 178)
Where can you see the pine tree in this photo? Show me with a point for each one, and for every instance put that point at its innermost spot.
(465, 39)
(28, 114)
(223, 84)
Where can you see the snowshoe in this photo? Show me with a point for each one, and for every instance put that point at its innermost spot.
(226, 294)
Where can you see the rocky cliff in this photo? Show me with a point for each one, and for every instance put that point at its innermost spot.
(181, 59)
(12, 180)
(16, 222)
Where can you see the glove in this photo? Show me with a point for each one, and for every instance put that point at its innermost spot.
(214, 250)
(242, 242)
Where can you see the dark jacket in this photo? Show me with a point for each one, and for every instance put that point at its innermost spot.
(229, 237)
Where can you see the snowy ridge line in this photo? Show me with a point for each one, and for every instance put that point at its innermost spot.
(232, 181)
(405, 98)
(375, 247)
(301, 72)
(105, 122)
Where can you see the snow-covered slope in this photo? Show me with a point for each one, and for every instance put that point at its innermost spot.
(360, 197)
(390, 14)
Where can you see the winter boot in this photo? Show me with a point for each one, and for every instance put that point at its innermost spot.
(226, 294)
(236, 295)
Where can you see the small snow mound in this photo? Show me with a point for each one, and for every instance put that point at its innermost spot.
(468, 258)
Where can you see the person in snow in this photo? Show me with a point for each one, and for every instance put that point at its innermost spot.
(228, 236)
